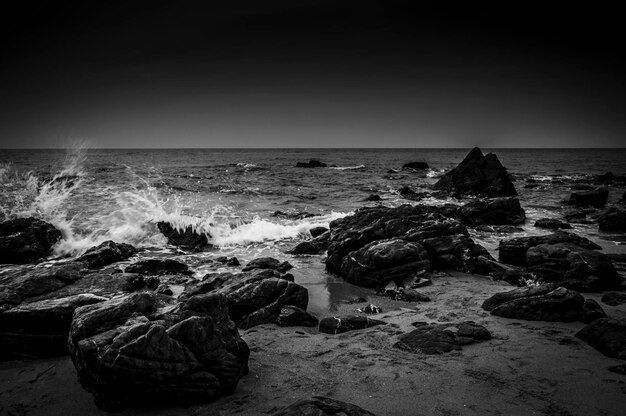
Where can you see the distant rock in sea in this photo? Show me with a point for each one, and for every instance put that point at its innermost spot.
(415, 165)
(311, 164)
(187, 239)
(596, 198)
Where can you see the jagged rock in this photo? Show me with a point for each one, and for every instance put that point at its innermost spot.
(373, 198)
(596, 198)
(107, 253)
(496, 211)
(552, 223)
(381, 261)
(607, 335)
(415, 165)
(614, 298)
(542, 303)
(321, 406)
(441, 338)
(293, 316)
(478, 174)
(192, 353)
(573, 267)
(24, 240)
(267, 263)
(340, 324)
(513, 251)
(311, 164)
(317, 245)
(614, 219)
(40, 329)
(187, 239)
(158, 267)
(317, 231)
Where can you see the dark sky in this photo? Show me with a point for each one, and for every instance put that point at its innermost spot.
(311, 74)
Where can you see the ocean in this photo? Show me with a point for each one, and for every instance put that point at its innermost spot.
(94, 195)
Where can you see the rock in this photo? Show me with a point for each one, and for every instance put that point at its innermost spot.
(158, 267)
(614, 298)
(322, 406)
(133, 283)
(478, 175)
(293, 316)
(552, 223)
(187, 239)
(317, 245)
(40, 329)
(578, 215)
(455, 252)
(292, 215)
(193, 353)
(541, 303)
(607, 335)
(24, 240)
(381, 261)
(513, 251)
(609, 179)
(317, 231)
(592, 311)
(370, 309)
(107, 253)
(441, 338)
(311, 164)
(410, 295)
(267, 263)
(339, 324)
(415, 165)
(497, 211)
(614, 219)
(511, 274)
(573, 267)
(373, 198)
(596, 198)
(408, 193)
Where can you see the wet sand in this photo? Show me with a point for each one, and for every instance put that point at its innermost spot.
(528, 368)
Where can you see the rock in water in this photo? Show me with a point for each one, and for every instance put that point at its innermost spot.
(607, 336)
(415, 165)
(441, 338)
(513, 251)
(311, 164)
(187, 239)
(339, 324)
(23, 240)
(158, 267)
(317, 231)
(316, 245)
(552, 223)
(478, 175)
(107, 253)
(613, 219)
(294, 316)
(268, 263)
(322, 406)
(614, 298)
(193, 353)
(596, 198)
(496, 211)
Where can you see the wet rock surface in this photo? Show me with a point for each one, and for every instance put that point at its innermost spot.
(340, 324)
(158, 267)
(441, 338)
(513, 251)
(107, 253)
(267, 263)
(552, 224)
(317, 245)
(24, 240)
(187, 238)
(496, 211)
(595, 198)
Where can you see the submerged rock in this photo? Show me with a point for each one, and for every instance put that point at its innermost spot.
(187, 239)
(311, 164)
(24, 240)
(293, 316)
(496, 211)
(480, 175)
(322, 406)
(606, 335)
(415, 165)
(107, 253)
(373, 198)
(158, 267)
(268, 263)
(441, 338)
(552, 223)
(513, 251)
(596, 198)
(340, 324)
(614, 219)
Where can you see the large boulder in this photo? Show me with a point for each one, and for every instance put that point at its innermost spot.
(321, 406)
(614, 219)
(382, 261)
(188, 238)
(607, 335)
(339, 324)
(497, 211)
(107, 253)
(24, 240)
(514, 275)
(158, 267)
(543, 303)
(126, 351)
(595, 198)
(573, 267)
(294, 316)
(441, 338)
(513, 251)
(456, 252)
(480, 175)
(317, 245)
(267, 263)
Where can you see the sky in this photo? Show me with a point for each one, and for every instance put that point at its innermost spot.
(310, 73)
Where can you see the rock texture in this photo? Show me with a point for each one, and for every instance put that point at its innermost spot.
(496, 211)
(187, 239)
(158, 267)
(552, 224)
(107, 253)
(441, 338)
(126, 351)
(294, 316)
(24, 240)
(614, 298)
(339, 324)
(607, 336)
(480, 175)
(321, 406)
(317, 245)
(267, 263)
(595, 198)
(614, 219)
(311, 164)
(513, 251)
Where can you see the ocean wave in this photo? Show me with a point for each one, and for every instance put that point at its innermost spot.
(348, 167)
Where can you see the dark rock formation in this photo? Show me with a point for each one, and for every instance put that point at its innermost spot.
(317, 231)
(293, 316)
(513, 251)
(552, 223)
(514, 275)
(381, 261)
(107, 253)
(24, 240)
(158, 267)
(441, 338)
(40, 329)
(415, 165)
(596, 198)
(292, 215)
(267, 263)
(311, 164)
(614, 219)
(497, 211)
(317, 245)
(478, 175)
(321, 406)
(407, 193)
(609, 179)
(607, 336)
(614, 298)
(543, 303)
(573, 267)
(187, 239)
(339, 324)
(373, 198)
(126, 351)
